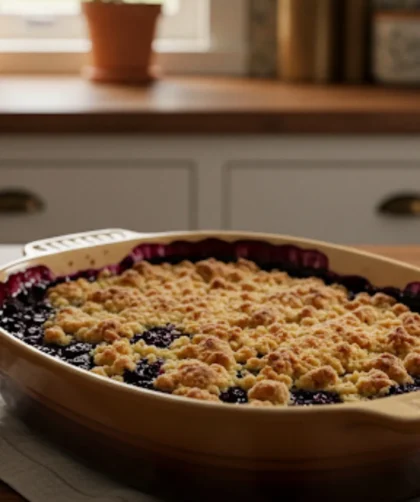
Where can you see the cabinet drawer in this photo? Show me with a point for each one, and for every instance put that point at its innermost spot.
(336, 201)
(141, 196)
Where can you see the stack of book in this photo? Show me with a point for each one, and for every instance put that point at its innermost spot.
(323, 40)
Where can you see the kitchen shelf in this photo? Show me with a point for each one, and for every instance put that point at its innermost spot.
(203, 105)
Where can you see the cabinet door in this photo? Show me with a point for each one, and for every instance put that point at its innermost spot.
(72, 197)
(335, 201)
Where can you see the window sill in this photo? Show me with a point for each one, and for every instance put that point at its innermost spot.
(202, 105)
(82, 46)
(69, 56)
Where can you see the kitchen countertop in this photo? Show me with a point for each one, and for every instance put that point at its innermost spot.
(409, 254)
(203, 105)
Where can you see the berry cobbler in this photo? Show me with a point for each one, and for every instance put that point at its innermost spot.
(226, 331)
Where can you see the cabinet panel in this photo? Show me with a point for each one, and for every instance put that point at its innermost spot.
(84, 195)
(336, 201)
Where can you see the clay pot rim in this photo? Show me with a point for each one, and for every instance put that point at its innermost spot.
(96, 3)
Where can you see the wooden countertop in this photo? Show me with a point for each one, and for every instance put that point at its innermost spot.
(203, 105)
(409, 254)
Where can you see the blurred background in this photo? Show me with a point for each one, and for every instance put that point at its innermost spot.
(290, 116)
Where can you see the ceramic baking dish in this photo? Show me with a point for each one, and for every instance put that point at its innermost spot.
(206, 433)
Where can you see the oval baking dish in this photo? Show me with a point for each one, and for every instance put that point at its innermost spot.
(317, 437)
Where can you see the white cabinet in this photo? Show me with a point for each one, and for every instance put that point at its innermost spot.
(144, 196)
(336, 201)
(322, 187)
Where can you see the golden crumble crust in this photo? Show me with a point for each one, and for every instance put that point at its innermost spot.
(193, 374)
(270, 390)
(266, 333)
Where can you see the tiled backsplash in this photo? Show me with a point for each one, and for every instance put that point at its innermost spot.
(263, 39)
(396, 4)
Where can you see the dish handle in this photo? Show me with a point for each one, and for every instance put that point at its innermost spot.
(400, 413)
(79, 240)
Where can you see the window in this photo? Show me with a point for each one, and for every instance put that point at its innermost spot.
(206, 36)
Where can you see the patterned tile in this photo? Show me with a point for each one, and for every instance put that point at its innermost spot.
(263, 38)
(396, 4)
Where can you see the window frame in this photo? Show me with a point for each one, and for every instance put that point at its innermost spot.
(223, 50)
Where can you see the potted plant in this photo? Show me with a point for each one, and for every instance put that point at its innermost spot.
(122, 33)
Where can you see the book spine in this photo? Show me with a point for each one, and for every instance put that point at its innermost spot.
(296, 36)
(356, 40)
(325, 41)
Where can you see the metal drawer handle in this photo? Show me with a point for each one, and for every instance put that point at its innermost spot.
(16, 201)
(407, 204)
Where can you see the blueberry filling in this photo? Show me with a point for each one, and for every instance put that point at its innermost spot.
(161, 337)
(306, 398)
(51, 350)
(76, 350)
(84, 361)
(144, 374)
(24, 315)
(234, 395)
(78, 354)
(405, 388)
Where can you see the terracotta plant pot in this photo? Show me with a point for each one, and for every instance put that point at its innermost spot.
(122, 37)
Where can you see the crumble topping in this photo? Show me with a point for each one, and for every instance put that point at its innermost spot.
(235, 326)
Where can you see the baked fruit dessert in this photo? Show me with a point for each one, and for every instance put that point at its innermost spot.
(255, 324)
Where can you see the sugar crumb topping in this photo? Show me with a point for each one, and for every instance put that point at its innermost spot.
(239, 326)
